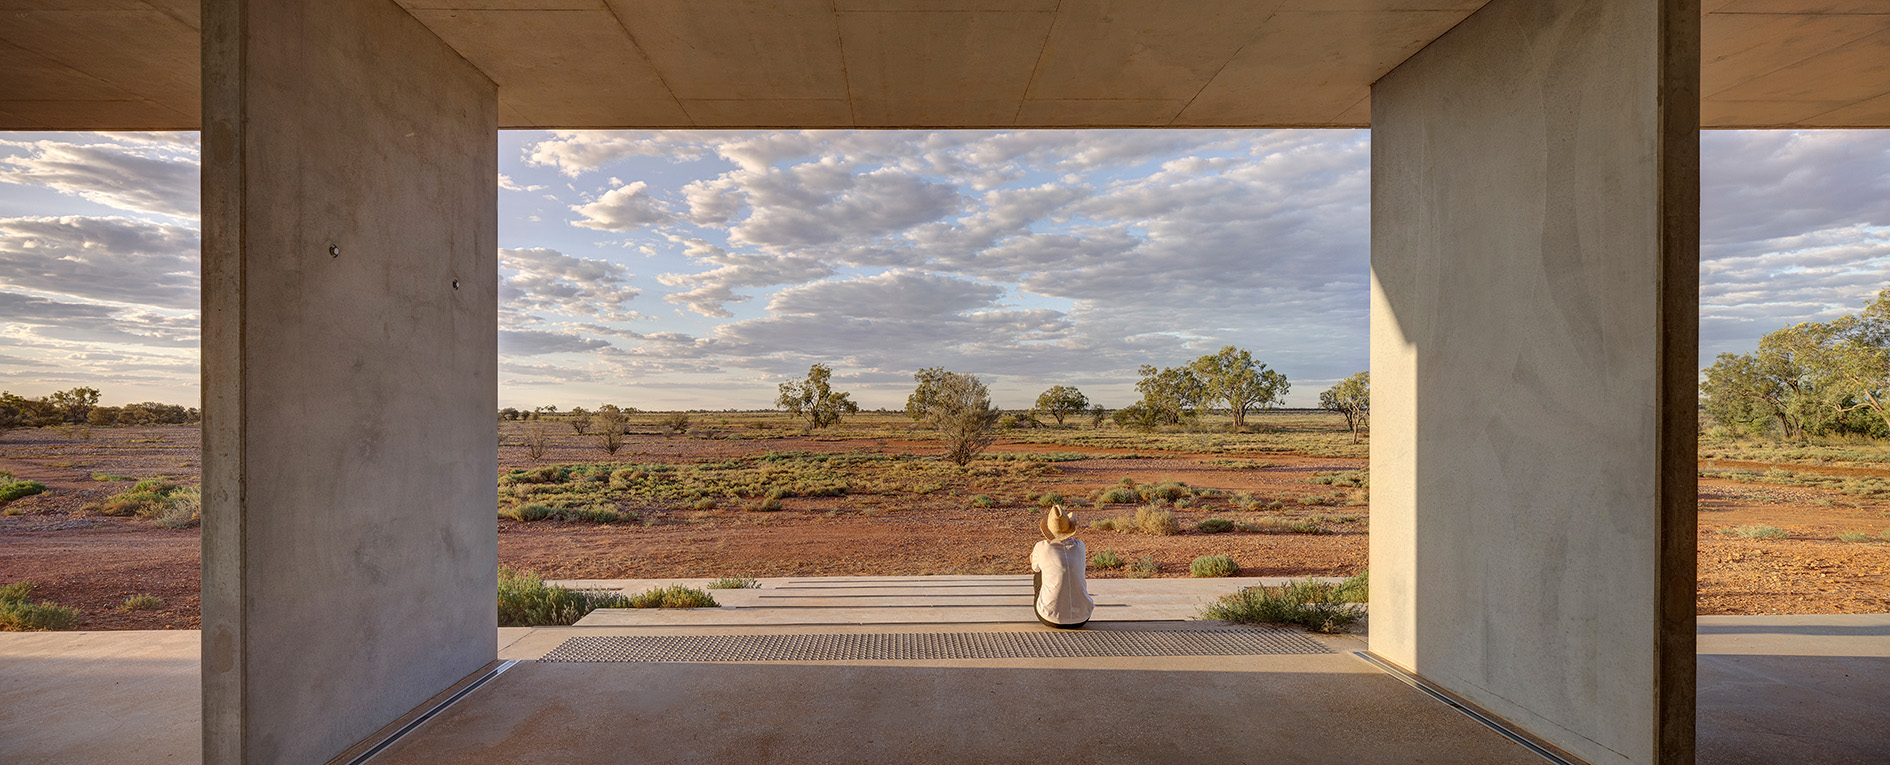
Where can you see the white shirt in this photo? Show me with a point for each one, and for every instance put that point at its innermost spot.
(1064, 599)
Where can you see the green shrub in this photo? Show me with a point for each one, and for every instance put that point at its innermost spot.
(533, 511)
(1156, 521)
(1213, 565)
(1853, 536)
(766, 505)
(18, 614)
(1122, 523)
(182, 510)
(1166, 491)
(1144, 568)
(673, 596)
(1049, 498)
(141, 603)
(109, 477)
(1120, 495)
(705, 503)
(525, 600)
(982, 500)
(1760, 531)
(1214, 526)
(11, 489)
(1352, 478)
(1107, 559)
(735, 583)
(1317, 606)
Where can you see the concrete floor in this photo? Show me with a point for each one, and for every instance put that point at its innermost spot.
(1772, 689)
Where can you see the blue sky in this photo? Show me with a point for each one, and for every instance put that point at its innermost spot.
(697, 269)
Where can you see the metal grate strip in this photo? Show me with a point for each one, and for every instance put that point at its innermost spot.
(933, 645)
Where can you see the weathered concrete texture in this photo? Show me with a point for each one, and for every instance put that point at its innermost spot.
(349, 358)
(1278, 709)
(83, 64)
(1534, 246)
(1794, 689)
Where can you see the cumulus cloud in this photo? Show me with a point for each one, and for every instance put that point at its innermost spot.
(520, 342)
(624, 208)
(43, 322)
(535, 279)
(153, 173)
(119, 260)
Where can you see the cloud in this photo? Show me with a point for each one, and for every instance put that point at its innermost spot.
(542, 279)
(622, 209)
(118, 260)
(506, 183)
(132, 173)
(42, 322)
(514, 342)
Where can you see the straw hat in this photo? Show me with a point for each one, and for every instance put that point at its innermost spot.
(1057, 525)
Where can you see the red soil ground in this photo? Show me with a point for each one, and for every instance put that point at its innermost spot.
(91, 562)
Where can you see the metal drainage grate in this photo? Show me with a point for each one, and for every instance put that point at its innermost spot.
(933, 645)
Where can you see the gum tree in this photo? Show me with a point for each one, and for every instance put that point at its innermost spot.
(1351, 398)
(1232, 377)
(814, 399)
(959, 407)
(1062, 401)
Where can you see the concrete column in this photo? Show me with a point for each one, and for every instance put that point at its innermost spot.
(349, 354)
(1535, 237)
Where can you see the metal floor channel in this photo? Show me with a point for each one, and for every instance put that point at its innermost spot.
(933, 645)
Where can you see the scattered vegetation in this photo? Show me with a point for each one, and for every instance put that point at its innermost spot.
(1107, 560)
(1144, 568)
(1213, 565)
(1345, 478)
(1853, 536)
(141, 603)
(12, 488)
(735, 583)
(18, 613)
(983, 500)
(1215, 526)
(1157, 521)
(959, 407)
(814, 399)
(1315, 605)
(673, 596)
(525, 600)
(109, 477)
(1760, 531)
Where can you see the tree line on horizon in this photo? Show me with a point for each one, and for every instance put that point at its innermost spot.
(1812, 378)
(80, 407)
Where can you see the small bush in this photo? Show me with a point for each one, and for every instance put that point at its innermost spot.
(109, 477)
(1214, 526)
(1049, 498)
(1107, 559)
(141, 603)
(1156, 521)
(982, 500)
(1120, 495)
(533, 511)
(674, 596)
(1317, 606)
(1144, 568)
(1213, 565)
(11, 489)
(1760, 531)
(525, 600)
(1853, 536)
(1124, 523)
(705, 503)
(18, 614)
(767, 504)
(735, 583)
(1166, 491)
(182, 510)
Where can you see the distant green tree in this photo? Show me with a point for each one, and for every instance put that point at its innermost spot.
(814, 399)
(959, 406)
(1232, 377)
(1748, 391)
(1097, 414)
(72, 406)
(1062, 401)
(927, 395)
(580, 420)
(1849, 359)
(611, 425)
(1169, 395)
(1352, 398)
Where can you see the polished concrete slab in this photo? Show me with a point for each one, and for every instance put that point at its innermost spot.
(1779, 688)
(991, 599)
(1772, 689)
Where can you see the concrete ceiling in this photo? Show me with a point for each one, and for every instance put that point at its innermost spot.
(123, 64)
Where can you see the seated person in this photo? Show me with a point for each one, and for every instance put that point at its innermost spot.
(1062, 598)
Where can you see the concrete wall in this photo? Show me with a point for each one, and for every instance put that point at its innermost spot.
(349, 431)
(1534, 321)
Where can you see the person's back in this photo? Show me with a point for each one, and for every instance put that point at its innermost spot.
(1060, 561)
